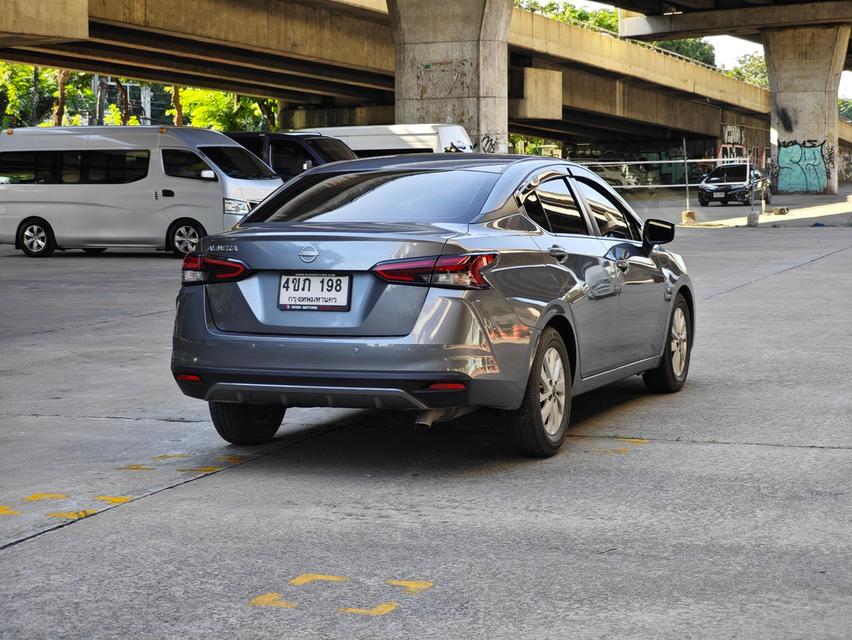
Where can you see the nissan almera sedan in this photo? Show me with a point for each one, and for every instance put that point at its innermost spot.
(439, 284)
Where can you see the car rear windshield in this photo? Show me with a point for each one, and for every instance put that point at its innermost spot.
(379, 196)
(331, 149)
(731, 173)
(236, 162)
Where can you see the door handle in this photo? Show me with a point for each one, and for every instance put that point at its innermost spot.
(168, 193)
(624, 265)
(558, 252)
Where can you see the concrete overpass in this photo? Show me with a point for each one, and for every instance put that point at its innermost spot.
(807, 45)
(340, 62)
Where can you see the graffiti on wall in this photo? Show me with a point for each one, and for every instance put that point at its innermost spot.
(804, 166)
(844, 164)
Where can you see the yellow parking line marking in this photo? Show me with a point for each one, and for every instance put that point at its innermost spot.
(171, 456)
(411, 586)
(379, 610)
(637, 441)
(307, 578)
(8, 511)
(232, 459)
(73, 515)
(114, 499)
(272, 599)
(36, 497)
(135, 467)
(201, 469)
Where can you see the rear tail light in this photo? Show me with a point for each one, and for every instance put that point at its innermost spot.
(201, 269)
(457, 272)
(446, 386)
(187, 377)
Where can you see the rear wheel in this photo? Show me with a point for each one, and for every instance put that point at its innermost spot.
(95, 250)
(670, 376)
(184, 236)
(539, 424)
(36, 239)
(246, 423)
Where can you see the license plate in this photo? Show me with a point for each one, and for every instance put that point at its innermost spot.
(314, 292)
(718, 195)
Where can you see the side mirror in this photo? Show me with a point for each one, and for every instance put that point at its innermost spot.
(657, 232)
(207, 174)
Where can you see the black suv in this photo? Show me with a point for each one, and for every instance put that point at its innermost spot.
(727, 183)
(289, 154)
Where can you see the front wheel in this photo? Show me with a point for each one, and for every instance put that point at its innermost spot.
(670, 375)
(539, 424)
(703, 203)
(184, 236)
(246, 423)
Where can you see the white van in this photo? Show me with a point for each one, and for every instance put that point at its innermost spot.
(97, 187)
(392, 139)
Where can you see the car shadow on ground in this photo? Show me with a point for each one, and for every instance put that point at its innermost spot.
(388, 440)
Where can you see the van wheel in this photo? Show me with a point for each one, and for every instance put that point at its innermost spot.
(94, 250)
(36, 239)
(183, 237)
(246, 423)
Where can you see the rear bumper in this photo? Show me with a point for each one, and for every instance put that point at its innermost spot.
(360, 371)
(313, 389)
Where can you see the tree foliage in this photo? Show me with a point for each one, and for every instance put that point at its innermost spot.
(695, 48)
(751, 67)
(844, 108)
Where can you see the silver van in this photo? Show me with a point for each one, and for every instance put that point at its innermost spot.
(92, 188)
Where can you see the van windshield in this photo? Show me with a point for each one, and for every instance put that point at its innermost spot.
(238, 163)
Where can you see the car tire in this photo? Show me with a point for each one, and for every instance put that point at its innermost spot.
(670, 375)
(246, 423)
(703, 203)
(36, 239)
(95, 250)
(768, 197)
(537, 431)
(183, 237)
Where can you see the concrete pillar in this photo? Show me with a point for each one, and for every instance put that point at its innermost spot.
(804, 66)
(452, 66)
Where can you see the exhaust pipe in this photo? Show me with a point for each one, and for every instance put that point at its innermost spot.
(426, 418)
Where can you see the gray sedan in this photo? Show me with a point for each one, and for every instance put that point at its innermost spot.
(440, 284)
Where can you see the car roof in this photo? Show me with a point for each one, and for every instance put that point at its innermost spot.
(494, 163)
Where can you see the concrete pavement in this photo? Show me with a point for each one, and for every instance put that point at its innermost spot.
(722, 511)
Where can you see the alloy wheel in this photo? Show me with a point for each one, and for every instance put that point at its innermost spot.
(552, 391)
(186, 238)
(679, 342)
(35, 238)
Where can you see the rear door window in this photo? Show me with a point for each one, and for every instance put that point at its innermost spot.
(28, 167)
(561, 208)
(379, 196)
(116, 167)
(182, 163)
(331, 149)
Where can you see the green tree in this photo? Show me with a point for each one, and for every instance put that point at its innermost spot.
(844, 108)
(751, 68)
(695, 48)
(16, 94)
(219, 110)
